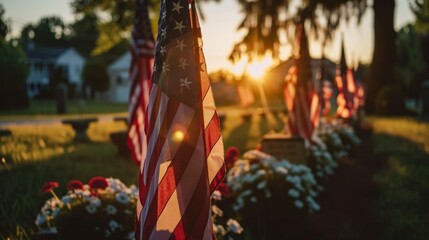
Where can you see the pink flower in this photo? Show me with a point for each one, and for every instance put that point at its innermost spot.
(74, 185)
(49, 186)
(98, 183)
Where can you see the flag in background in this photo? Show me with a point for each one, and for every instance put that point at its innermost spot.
(302, 99)
(142, 51)
(346, 99)
(184, 161)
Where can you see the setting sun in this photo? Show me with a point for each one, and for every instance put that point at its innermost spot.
(257, 68)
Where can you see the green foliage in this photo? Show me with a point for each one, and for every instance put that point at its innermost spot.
(420, 8)
(390, 100)
(3, 25)
(13, 76)
(95, 75)
(84, 34)
(48, 32)
(409, 61)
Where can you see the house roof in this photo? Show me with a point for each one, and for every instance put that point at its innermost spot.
(48, 54)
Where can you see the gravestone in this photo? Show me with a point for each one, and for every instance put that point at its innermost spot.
(284, 147)
(80, 126)
(119, 138)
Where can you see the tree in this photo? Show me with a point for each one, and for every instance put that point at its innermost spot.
(95, 76)
(84, 33)
(3, 24)
(48, 32)
(13, 76)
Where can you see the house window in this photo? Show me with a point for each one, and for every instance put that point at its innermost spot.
(119, 80)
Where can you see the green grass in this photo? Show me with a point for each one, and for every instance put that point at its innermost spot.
(403, 182)
(45, 108)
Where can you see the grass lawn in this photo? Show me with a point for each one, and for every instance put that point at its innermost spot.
(403, 182)
(47, 108)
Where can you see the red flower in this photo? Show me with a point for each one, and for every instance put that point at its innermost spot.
(98, 183)
(74, 185)
(223, 189)
(49, 186)
(231, 156)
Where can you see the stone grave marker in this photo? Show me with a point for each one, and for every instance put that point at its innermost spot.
(285, 147)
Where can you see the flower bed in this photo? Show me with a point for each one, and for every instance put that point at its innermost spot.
(103, 209)
(272, 197)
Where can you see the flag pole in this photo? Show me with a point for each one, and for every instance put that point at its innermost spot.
(196, 33)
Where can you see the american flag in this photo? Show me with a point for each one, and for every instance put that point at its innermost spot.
(142, 51)
(346, 99)
(302, 100)
(184, 162)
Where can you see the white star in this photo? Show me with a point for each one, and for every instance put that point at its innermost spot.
(164, 14)
(180, 44)
(165, 68)
(179, 26)
(177, 7)
(163, 50)
(154, 68)
(184, 83)
(163, 32)
(182, 63)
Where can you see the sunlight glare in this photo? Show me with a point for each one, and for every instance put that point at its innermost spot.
(256, 69)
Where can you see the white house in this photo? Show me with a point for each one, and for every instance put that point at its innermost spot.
(43, 61)
(119, 79)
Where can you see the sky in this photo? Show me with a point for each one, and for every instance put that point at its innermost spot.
(220, 29)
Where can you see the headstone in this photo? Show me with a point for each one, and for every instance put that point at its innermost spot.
(119, 138)
(80, 126)
(61, 98)
(425, 100)
(285, 147)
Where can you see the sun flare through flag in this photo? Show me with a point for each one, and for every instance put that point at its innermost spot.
(184, 162)
(142, 53)
(301, 97)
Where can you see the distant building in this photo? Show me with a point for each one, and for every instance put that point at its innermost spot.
(44, 60)
(275, 77)
(119, 79)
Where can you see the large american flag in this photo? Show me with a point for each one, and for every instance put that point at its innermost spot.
(302, 99)
(142, 51)
(184, 161)
(346, 99)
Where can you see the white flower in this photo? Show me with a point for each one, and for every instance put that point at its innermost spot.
(111, 210)
(41, 219)
(113, 225)
(234, 226)
(299, 204)
(281, 170)
(91, 209)
(217, 195)
(261, 185)
(122, 197)
(293, 193)
(66, 199)
(94, 201)
(219, 229)
(217, 211)
(253, 199)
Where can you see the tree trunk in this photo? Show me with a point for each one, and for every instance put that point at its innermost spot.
(383, 61)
